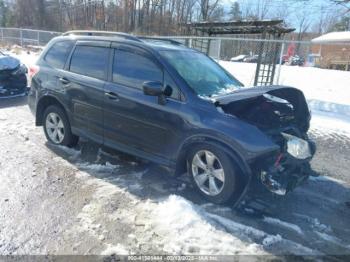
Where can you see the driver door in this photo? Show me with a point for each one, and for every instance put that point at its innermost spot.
(134, 121)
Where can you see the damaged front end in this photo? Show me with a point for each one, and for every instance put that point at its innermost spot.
(290, 167)
(13, 79)
(283, 115)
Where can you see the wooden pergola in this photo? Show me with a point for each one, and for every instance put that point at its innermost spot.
(250, 27)
(268, 51)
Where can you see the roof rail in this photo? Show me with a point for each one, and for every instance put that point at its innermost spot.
(107, 33)
(160, 39)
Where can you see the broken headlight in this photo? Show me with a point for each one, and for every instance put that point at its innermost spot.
(297, 147)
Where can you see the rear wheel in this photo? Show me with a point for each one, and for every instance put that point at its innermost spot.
(214, 174)
(57, 127)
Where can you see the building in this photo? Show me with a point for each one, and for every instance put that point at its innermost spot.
(332, 51)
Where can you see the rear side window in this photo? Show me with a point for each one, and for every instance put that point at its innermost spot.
(90, 61)
(58, 54)
(131, 69)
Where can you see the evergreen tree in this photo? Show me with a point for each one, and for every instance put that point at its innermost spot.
(235, 11)
(342, 25)
(3, 14)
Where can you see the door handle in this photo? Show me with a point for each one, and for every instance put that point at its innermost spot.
(112, 96)
(64, 81)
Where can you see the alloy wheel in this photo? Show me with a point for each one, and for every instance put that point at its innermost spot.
(55, 128)
(208, 173)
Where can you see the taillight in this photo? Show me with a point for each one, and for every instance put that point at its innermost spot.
(33, 70)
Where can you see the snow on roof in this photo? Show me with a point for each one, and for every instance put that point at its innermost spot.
(334, 37)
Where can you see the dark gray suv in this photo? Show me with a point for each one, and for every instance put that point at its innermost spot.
(172, 105)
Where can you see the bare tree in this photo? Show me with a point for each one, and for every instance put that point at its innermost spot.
(343, 3)
(141, 16)
(256, 9)
(207, 8)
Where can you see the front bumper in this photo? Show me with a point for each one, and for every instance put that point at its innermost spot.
(11, 86)
(283, 173)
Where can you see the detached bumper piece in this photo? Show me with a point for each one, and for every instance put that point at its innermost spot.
(288, 171)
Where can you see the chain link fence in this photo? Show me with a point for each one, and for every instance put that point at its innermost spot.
(259, 61)
(25, 37)
(256, 61)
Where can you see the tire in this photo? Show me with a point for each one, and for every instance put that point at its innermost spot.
(56, 122)
(228, 184)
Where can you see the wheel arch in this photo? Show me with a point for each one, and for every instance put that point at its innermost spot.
(44, 103)
(181, 165)
(245, 176)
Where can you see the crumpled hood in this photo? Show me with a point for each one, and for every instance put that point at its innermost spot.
(292, 95)
(8, 62)
(246, 93)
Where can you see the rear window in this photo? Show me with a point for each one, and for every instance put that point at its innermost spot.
(58, 54)
(90, 61)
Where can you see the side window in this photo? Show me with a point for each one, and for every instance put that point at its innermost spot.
(131, 69)
(58, 54)
(90, 61)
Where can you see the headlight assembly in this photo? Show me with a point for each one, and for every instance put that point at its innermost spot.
(297, 147)
(21, 70)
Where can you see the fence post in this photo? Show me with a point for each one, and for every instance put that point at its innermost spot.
(2, 34)
(21, 36)
(38, 38)
(190, 43)
(280, 63)
(306, 63)
(219, 49)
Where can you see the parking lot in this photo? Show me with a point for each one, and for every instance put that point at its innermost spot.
(93, 200)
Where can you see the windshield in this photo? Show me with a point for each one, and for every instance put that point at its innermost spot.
(201, 73)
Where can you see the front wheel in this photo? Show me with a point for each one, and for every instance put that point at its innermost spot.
(214, 174)
(57, 128)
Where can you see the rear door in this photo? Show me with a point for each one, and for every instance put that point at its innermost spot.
(84, 81)
(136, 121)
(51, 68)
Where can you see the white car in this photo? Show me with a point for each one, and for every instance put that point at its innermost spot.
(239, 58)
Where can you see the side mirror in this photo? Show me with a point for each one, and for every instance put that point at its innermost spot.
(153, 88)
(157, 89)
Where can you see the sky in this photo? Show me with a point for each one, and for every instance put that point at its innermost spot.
(313, 8)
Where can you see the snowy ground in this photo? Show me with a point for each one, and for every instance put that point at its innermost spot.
(92, 200)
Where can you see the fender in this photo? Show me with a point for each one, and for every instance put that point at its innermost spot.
(45, 100)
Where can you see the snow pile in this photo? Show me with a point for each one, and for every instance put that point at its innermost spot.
(98, 168)
(118, 250)
(275, 221)
(72, 153)
(185, 228)
(271, 240)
